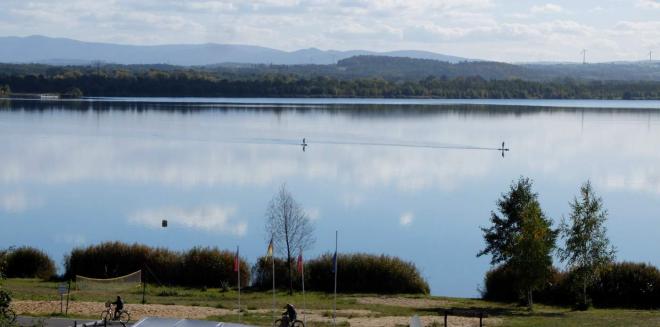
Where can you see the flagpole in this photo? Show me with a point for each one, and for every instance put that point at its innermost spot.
(334, 314)
(302, 265)
(272, 258)
(238, 259)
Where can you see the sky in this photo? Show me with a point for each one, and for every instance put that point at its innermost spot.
(510, 31)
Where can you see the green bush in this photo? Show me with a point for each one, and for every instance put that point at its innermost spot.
(28, 262)
(210, 266)
(197, 267)
(629, 285)
(621, 285)
(5, 90)
(500, 285)
(262, 273)
(357, 273)
(365, 273)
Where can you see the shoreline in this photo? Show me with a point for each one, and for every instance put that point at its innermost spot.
(361, 101)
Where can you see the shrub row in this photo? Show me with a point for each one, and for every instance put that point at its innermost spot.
(622, 285)
(357, 273)
(198, 267)
(27, 262)
(210, 267)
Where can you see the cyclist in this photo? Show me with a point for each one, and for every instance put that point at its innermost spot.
(119, 306)
(289, 315)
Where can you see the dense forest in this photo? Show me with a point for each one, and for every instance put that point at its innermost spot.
(354, 77)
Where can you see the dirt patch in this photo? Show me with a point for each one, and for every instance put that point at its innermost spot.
(426, 321)
(364, 318)
(419, 303)
(138, 311)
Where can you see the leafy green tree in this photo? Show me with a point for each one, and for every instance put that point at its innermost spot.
(5, 296)
(534, 244)
(5, 90)
(73, 93)
(521, 237)
(587, 248)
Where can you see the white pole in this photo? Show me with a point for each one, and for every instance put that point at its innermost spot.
(238, 264)
(302, 262)
(272, 258)
(335, 264)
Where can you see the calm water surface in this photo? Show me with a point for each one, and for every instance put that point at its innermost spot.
(413, 179)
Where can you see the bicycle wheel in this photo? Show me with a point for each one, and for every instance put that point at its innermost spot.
(298, 323)
(277, 323)
(11, 316)
(106, 315)
(124, 317)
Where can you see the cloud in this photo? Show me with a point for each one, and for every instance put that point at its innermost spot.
(548, 8)
(313, 213)
(461, 27)
(70, 239)
(16, 202)
(406, 219)
(649, 4)
(646, 180)
(207, 218)
(351, 200)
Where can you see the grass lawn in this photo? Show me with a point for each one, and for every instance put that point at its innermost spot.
(258, 304)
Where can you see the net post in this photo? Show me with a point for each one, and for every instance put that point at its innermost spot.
(68, 291)
(144, 285)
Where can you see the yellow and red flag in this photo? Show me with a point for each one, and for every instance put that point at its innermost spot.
(269, 253)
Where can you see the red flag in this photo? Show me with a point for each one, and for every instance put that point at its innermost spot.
(300, 263)
(236, 261)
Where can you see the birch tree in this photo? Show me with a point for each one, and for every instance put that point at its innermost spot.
(289, 227)
(587, 249)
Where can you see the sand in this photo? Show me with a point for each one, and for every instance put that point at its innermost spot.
(404, 302)
(364, 318)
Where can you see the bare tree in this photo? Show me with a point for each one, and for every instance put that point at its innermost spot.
(289, 227)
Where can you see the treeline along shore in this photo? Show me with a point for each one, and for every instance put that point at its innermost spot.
(203, 267)
(168, 81)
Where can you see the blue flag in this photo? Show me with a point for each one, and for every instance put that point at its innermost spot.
(334, 263)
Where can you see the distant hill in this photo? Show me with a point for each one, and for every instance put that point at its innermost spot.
(411, 69)
(622, 71)
(244, 61)
(61, 51)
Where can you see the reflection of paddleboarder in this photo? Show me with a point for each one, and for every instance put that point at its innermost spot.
(503, 149)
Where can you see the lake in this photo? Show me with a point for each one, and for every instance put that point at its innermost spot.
(410, 178)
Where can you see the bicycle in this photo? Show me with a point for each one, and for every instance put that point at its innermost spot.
(109, 314)
(295, 323)
(8, 315)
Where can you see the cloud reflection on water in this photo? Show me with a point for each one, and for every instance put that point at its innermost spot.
(148, 165)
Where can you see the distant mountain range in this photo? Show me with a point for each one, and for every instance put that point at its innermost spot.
(61, 51)
(244, 60)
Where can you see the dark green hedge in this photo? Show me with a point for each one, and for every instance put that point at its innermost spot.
(263, 270)
(197, 267)
(627, 284)
(622, 285)
(28, 262)
(357, 273)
